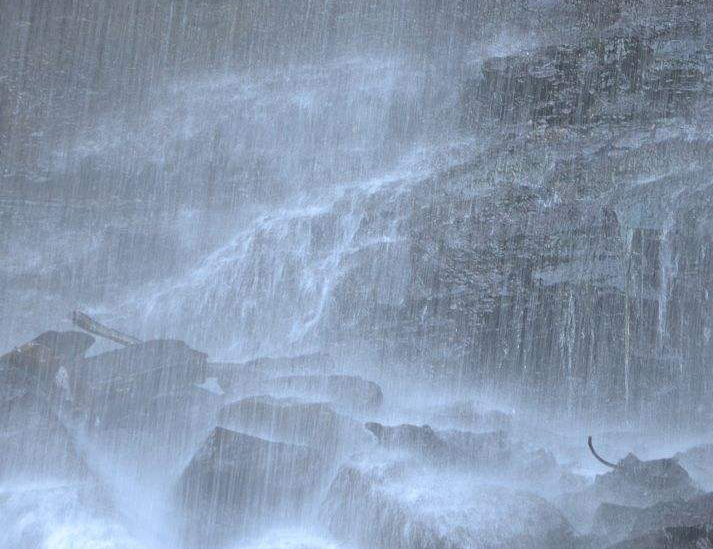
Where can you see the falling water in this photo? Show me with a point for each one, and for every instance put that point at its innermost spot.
(370, 271)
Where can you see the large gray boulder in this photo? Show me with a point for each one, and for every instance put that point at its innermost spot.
(448, 447)
(291, 420)
(344, 391)
(47, 353)
(125, 387)
(35, 443)
(682, 537)
(236, 482)
(392, 505)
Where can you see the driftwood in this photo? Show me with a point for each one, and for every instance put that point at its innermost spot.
(600, 458)
(88, 324)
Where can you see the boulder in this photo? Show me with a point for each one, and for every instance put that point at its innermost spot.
(123, 387)
(646, 482)
(47, 353)
(236, 376)
(347, 392)
(396, 505)
(681, 537)
(290, 420)
(449, 447)
(615, 522)
(34, 441)
(692, 512)
(698, 461)
(471, 416)
(236, 482)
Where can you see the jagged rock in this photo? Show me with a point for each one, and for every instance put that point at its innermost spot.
(616, 77)
(44, 355)
(289, 420)
(121, 387)
(34, 441)
(472, 416)
(646, 482)
(634, 483)
(698, 461)
(236, 482)
(351, 392)
(614, 522)
(682, 537)
(248, 373)
(446, 447)
(392, 506)
(692, 512)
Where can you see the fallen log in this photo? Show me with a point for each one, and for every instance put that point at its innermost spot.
(88, 324)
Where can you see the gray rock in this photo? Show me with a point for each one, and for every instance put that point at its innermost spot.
(43, 356)
(124, 387)
(349, 392)
(450, 447)
(682, 537)
(394, 506)
(290, 420)
(236, 482)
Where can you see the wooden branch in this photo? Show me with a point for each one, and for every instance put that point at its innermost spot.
(88, 324)
(599, 458)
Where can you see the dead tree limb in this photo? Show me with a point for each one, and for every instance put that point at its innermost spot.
(88, 324)
(599, 458)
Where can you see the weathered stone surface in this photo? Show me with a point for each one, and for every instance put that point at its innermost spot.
(236, 482)
(634, 483)
(343, 391)
(646, 482)
(615, 522)
(682, 537)
(127, 384)
(34, 441)
(698, 461)
(392, 506)
(289, 420)
(43, 356)
(481, 450)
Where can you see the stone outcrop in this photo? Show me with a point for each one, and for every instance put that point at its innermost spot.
(235, 483)
(350, 392)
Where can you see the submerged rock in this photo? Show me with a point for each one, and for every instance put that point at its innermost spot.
(236, 482)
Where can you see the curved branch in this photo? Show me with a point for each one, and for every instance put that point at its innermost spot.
(599, 458)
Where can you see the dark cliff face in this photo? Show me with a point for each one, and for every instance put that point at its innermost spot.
(573, 256)
(249, 176)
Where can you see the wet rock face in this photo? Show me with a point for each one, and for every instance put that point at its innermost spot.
(47, 353)
(293, 421)
(351, 392)
(235, 483)
(479, 450)
(622, 75)
(34, 441)
(117, 387)
(647, 481)
(686, 537)
(391, 506)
